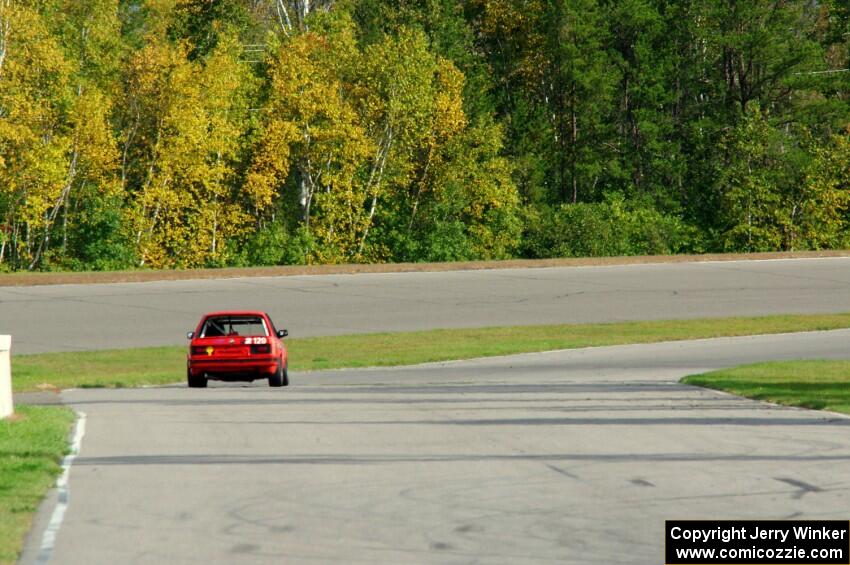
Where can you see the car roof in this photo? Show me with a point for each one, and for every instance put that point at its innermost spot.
(236, 313)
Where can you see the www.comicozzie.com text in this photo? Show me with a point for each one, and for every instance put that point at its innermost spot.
(725, 535)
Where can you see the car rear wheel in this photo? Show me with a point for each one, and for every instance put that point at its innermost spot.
(279, 377)
(196, 382)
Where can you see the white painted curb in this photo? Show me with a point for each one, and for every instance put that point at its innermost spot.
(48, 540)
(6, 406)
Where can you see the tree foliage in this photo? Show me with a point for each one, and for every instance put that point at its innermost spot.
(188, 133)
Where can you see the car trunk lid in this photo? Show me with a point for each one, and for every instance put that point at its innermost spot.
(221, 347)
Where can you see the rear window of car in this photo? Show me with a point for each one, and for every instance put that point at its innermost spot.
(219, 326)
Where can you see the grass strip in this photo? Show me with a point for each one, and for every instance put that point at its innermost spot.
(819, 384)
(150, 366)
(32, 445)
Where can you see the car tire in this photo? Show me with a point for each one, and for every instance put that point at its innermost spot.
(278, 378)
(286, 375)
(196, 382)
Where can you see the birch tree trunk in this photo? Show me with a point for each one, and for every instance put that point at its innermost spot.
(301, 10)
(304, 199)
(283, 17)
(574, 156)
(374, 184)
(420, 188)
(51, 217)
(307, 184)
(5, 30)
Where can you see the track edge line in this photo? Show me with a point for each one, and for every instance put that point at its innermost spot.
(48, 539)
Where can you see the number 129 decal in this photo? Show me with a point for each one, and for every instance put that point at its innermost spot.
(256, 341)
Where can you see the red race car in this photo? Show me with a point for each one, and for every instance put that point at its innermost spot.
(237, 346)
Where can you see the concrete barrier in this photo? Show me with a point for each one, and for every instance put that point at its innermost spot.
(6, 406)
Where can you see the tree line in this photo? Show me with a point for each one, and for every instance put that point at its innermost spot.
(205, 133)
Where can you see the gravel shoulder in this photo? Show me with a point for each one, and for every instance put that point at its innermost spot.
(42, 279)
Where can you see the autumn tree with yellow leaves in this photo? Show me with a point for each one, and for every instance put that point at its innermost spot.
(35, 138)
(185, 126)
(369, 135)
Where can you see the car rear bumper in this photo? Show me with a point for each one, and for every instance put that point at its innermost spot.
(234, 367)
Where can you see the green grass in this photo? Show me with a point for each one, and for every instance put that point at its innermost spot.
(821, 385)
(137, 367)
(32, 445)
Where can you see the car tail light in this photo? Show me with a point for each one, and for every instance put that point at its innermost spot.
(199, 351)
(261, 349)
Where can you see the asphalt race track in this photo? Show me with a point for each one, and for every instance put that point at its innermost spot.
(569, 457)
(573, 457)
(86, 317)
